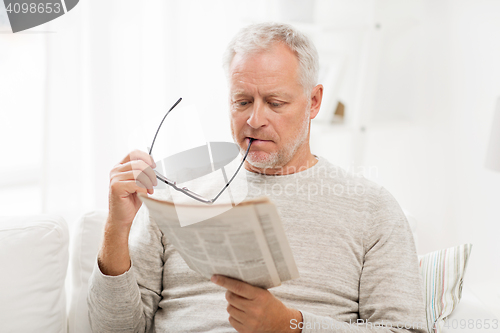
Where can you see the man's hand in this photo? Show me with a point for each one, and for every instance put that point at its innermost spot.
(253, 309)
(134, 174)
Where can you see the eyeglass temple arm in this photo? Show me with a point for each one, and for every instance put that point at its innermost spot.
(154, 139)
(237, 170)
(164, 179)
(184, 190)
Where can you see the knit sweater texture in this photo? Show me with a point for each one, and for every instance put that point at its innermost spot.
(351, 242)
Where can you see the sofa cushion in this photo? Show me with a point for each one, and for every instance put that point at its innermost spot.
(34, 261)
(85, 241)
(471, 316)
(443, 273)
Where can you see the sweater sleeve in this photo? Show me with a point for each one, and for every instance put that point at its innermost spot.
(391, 297)
(128, 302)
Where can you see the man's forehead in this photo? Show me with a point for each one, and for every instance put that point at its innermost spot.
(272, 72)
(268, 93)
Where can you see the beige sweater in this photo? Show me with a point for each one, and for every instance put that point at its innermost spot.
(350, 239)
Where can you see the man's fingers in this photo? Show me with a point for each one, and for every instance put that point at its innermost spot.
(140, 177)
(236, 313)
(236, 317)
(139, 155)
(138, 167)
(238, 287)
(128, 187)
(236, 300)
(238, 326)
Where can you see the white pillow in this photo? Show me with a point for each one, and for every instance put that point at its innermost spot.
(34, 261)
(443, 273)
(85, 242)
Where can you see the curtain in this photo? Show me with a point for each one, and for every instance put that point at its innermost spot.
(113, 70)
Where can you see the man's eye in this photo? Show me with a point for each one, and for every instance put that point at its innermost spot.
(275, 104)
(241, 103)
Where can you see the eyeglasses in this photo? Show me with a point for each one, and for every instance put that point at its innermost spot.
(185, 190)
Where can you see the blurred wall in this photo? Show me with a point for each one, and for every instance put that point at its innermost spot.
(436, 88)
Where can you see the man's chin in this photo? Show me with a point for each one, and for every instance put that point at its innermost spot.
(262, 160)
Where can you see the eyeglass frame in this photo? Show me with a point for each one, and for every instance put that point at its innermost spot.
(185, 190)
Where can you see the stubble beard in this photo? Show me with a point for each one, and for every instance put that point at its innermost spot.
(281, 157)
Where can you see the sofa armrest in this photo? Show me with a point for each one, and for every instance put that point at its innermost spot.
(33, 261)
(472, 314)
(85, 242)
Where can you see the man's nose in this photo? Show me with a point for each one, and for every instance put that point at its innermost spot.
(258, 117)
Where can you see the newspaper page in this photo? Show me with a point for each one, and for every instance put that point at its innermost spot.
(277, 241)
(246, 242)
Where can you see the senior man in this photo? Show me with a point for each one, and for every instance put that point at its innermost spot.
(349, 237)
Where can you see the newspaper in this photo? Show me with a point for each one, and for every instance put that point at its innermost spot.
(246, 242)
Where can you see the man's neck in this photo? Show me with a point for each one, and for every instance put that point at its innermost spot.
(302, 160)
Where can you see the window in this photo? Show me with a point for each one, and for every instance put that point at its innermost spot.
(22, 103)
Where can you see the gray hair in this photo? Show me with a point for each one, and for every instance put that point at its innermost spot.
(261, 36)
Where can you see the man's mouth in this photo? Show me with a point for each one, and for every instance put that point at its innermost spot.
(255, 140)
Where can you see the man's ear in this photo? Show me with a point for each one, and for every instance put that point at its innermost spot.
(316, 97)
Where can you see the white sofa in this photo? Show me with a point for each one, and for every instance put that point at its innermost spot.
(39, 293)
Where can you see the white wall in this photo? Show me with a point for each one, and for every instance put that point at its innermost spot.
(475, 77)
(437, 86)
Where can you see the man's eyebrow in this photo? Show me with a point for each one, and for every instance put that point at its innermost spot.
(239, 93)
(279, 94)
(271, 94)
